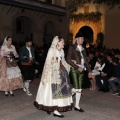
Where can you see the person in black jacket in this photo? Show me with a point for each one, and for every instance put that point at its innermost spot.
(115, 79)
(106, 74)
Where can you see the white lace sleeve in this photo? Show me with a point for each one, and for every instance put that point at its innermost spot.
(14, 51)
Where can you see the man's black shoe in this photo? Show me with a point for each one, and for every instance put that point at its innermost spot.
(80, 110)
(60, 116)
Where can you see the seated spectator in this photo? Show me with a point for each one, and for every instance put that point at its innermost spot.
(106, 74)
(115, 79)
(100, 64)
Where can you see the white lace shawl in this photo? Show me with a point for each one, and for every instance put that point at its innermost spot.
(51, 70)
(5, 41)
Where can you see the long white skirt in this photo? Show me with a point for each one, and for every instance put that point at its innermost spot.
(44, 100)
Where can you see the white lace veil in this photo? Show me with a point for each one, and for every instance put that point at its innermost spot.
(53, 48)
(51, 70)
(5, 41)
(50, 62)
(54, 42)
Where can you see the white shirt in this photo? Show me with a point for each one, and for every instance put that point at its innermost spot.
(100, 67)
(29, 52)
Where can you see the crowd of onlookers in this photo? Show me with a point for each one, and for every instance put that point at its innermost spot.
(105, 66)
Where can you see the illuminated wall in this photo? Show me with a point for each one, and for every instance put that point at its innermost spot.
(112, 28)
(95, 26)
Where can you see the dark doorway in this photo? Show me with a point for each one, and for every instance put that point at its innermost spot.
(22, 28)
(88, 34)
(48, 33)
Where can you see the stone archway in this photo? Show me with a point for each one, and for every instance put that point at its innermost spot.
(88, 34)
(95, 26)
(48, 33)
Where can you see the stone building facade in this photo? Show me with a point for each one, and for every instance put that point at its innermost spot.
(39, 19)
(109, 24)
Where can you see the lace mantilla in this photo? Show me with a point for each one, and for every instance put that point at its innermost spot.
(51, 70)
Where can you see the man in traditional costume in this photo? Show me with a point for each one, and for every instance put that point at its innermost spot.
(77, 59)
(27, 58)
(54, 93)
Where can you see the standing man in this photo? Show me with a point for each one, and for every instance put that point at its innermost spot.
(27, 58)
(77, 58)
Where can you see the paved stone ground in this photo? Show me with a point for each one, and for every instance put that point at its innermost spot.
(97, 106)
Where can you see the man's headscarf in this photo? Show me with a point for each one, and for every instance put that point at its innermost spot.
(79, 34)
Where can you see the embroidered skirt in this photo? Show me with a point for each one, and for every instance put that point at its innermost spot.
(52, 97)
(11, 78)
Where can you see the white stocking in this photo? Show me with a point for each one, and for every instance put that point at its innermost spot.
(80, 90)
(11, 92)
(78, 96)
(6, 92)
(76, 90)
(26, 84)
(73, 91)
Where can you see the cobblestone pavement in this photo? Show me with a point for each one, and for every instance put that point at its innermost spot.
(97, 106)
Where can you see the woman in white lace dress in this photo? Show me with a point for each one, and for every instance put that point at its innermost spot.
(10, 74)
(54, 93)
